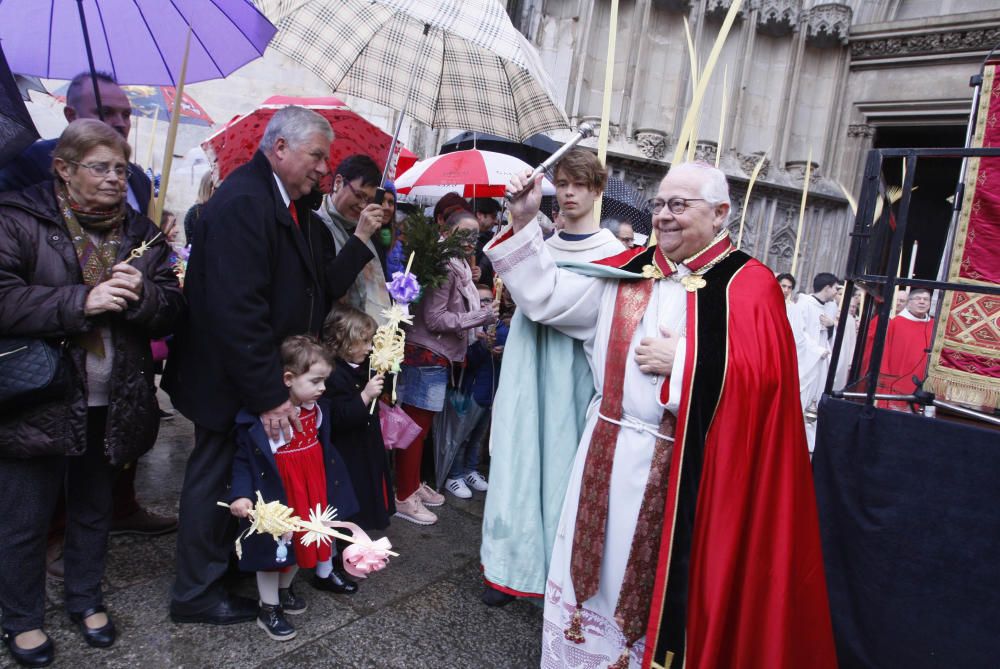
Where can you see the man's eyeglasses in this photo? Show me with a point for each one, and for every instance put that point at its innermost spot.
(101, 170)
(364, 197)
(676, 205)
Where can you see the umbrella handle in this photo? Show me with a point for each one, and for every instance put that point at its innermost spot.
(379, 196)
(583, 131)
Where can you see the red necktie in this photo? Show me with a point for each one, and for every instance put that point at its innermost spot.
(295, 214)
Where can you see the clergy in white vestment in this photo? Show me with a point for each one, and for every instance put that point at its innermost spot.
(813, 329)
(689, 535)
(849, 344)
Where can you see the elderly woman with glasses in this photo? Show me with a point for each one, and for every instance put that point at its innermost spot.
(81, 270)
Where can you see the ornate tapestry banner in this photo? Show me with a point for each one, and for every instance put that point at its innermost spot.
(965, 359)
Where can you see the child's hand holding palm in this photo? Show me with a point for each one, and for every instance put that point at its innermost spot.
(373, 389)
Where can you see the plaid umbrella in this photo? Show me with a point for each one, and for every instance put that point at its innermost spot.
(448, 63)
(471, 173)
(17, 130)
(236, 143)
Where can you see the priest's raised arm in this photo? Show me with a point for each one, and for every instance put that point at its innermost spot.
(548, 295)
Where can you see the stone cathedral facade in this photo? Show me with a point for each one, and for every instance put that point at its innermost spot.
(802, 78)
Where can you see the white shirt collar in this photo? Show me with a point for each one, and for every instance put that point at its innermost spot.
(281, 189)
(905, 313)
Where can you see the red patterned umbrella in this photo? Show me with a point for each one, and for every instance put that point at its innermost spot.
(472, 173)
(235, 144)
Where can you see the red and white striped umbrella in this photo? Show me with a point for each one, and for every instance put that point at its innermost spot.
(471, 173)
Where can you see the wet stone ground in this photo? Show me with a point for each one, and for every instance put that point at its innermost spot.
(422, 611)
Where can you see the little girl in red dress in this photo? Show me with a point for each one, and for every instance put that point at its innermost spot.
(302, 473)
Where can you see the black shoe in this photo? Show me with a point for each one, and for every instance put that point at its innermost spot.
(271, 619)
(493, 597)
(101, 637)
(231, 609)
(336, 582)
(42, 656)
(291, 603)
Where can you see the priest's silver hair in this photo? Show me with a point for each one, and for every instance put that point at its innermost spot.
(296, 124)
(714, 187)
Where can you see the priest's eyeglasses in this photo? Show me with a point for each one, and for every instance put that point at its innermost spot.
(100, 170)
(676, 205)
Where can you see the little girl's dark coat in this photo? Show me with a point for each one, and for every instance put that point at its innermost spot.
(358, 438)
(254, 468)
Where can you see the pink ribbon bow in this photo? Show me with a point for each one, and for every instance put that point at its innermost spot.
(365, 556)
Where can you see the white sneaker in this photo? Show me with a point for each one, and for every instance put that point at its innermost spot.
(476, 481)
(458, 488)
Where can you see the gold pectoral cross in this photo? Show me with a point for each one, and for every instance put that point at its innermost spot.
(693, 282)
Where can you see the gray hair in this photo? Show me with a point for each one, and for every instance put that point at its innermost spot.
(295, 124)
(614, 224)
(714, 187)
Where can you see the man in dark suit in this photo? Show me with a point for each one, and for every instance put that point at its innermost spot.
(262, 268)
(34, 165)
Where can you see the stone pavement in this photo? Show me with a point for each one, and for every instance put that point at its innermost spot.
(423, 610)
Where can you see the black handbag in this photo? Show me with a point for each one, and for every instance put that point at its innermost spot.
(32, 371)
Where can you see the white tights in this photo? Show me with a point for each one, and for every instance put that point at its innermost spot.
(268, 583)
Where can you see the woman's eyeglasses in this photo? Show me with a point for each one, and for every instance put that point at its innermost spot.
(101, 170)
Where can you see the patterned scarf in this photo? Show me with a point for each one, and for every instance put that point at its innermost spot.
(96, 259)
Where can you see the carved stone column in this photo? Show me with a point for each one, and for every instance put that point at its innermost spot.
(579, 62)
(637, 48)
(684, 87)
(787, 10)
(748, 40)
(860, 137)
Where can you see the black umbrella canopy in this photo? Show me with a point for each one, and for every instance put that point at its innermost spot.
(17, 130)
(533, 150)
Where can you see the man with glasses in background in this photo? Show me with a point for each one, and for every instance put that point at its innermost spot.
(694, 367)
(34, 165)
(350, 211)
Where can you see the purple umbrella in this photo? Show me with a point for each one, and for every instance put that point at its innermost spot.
(136, 41)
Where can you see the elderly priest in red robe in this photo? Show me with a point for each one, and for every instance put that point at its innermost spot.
(689, 534)
(908, 340)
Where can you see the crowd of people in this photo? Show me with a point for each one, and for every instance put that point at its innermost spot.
(815, 319)
(637, 384)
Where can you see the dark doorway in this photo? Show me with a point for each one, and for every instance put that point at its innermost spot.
(935, 180)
